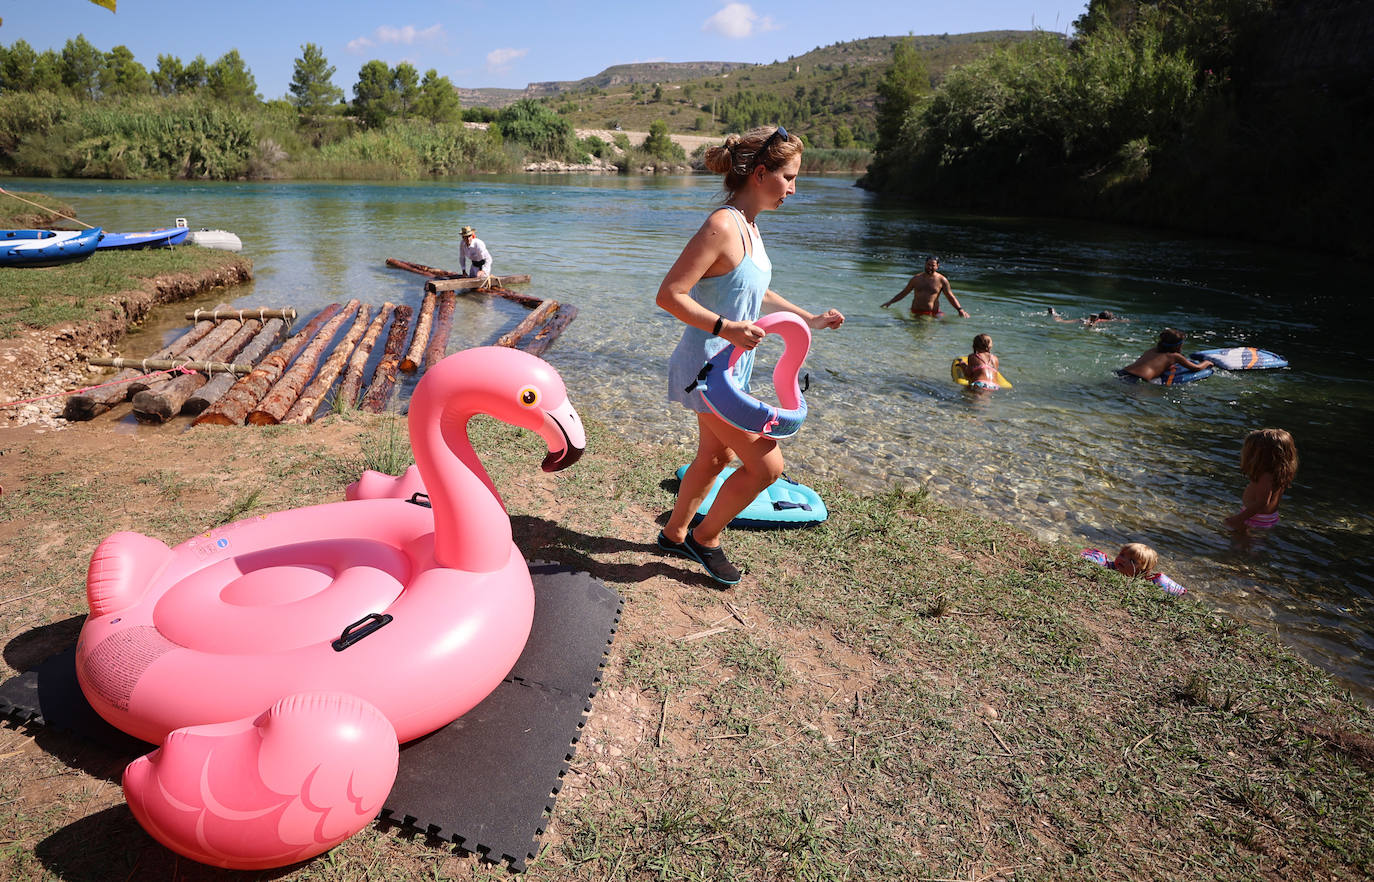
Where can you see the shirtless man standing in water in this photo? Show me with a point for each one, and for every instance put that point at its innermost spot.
(926, 289)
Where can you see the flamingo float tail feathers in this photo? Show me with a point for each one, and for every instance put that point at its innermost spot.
(263, 792)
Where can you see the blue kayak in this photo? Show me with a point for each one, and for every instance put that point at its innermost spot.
(164, 238)
(785, 503)
(26, 248)
(1241, 358)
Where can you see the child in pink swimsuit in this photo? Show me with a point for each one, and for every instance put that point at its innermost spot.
(982, 365)
(1269, 458)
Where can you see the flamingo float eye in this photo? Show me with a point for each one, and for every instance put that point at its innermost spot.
(529, 396)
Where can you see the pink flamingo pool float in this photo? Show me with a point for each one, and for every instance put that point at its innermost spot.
(281, 660)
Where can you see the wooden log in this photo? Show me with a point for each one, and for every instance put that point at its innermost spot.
(486, 284)
(443, 326)
(303, 411)
(233, 406)
(414, 354)
(159, 406)
(287, 389)
(91, 403)
(168, 364)
(262, 315)
(544, 337)
(352, 381)
(138, 384)
(540, 315)
(208, 394)
(420, 268)
(204, 350)
(384, 376)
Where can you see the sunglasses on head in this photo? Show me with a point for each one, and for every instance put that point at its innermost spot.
(779, 132)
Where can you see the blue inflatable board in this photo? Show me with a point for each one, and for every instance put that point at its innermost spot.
(1173, 375)
(1241, 358)
(784, 504)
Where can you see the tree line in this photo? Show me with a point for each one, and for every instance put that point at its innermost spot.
(82, 71)
(1176, 113)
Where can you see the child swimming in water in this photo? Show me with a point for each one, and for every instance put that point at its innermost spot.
(981, 365)
(1161, 357)
(1136, 559)
(1269, 458)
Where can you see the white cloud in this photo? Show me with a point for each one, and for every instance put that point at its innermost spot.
(737, 21)
(499, 60)
(408, 35)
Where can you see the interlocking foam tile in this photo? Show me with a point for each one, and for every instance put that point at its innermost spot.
(486, 781)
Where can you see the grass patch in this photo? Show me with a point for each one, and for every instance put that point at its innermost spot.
(47, 296)
(903, 692)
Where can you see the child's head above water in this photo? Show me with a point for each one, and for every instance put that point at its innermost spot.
(1270, 451)
(1135, 559)
(982, 343)
(1170, 340)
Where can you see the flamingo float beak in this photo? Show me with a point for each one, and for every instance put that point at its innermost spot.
(562, 431)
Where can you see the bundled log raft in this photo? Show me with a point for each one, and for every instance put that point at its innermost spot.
(252, 353)
(232, 409)
(384, 377)
(304, 407)
(161, 404)
(91, 403)
(352, 381)
(288, 387)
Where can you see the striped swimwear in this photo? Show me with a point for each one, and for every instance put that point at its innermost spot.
(1263, 521)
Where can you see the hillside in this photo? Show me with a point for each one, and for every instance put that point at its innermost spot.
(813, 94)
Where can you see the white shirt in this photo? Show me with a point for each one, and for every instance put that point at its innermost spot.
(474, 250)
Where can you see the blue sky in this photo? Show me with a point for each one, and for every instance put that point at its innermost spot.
(502, 43)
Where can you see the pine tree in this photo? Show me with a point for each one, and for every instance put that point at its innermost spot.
(312, 88)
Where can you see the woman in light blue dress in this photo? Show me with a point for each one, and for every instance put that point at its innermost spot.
(719, 287)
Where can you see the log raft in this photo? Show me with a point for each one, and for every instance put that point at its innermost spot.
(304, 407)
(384, 376)
(91, 403)
(232, 408)
(160, 405)
(253, 353)
(287, 389)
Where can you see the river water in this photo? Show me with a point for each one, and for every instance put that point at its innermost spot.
(1070, 454)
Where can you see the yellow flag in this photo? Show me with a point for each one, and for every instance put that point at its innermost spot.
(108, 4)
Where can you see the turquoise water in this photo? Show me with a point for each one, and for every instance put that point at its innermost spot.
(1070, 453)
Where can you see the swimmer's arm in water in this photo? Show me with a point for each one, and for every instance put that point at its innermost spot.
(949, 295)
(910, 286)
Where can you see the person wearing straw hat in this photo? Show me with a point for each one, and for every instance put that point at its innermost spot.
(474, 251)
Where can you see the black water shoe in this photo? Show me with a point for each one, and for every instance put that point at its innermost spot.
(714, 560)
(681, 548)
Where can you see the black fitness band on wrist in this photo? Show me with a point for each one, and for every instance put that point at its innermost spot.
(720, 320)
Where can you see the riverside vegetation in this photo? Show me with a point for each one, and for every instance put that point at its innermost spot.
(82, 112)
(1246, 117)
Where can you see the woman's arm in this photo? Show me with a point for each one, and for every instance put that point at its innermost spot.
(713, 251)
(775, 302)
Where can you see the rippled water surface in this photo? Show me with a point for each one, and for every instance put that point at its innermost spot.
(1070, 453)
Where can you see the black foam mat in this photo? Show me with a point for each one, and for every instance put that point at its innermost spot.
(486, 781)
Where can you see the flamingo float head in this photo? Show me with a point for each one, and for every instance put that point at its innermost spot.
(509, 385)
